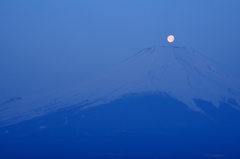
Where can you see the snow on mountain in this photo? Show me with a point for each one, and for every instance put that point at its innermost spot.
(181, 73)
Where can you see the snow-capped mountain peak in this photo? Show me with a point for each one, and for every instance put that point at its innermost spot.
(181, 73)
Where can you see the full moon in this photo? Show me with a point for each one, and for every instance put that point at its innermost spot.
(170, 38)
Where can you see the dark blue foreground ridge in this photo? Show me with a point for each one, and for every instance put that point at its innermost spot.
(136, 126)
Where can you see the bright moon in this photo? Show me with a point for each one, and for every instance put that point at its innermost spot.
(170, 38)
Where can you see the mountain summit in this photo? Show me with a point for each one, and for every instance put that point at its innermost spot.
(178, 72)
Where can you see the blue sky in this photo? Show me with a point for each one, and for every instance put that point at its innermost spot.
(49, 44)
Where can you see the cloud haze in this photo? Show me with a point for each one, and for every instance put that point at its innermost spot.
(46, 45)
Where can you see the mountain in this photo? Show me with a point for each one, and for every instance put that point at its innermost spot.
(162, 102)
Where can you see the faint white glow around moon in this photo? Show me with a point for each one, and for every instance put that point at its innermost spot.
(170, 38)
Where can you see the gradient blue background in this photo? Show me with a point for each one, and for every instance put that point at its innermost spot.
(49, 44)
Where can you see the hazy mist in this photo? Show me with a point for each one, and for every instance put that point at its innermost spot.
(51, 44)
